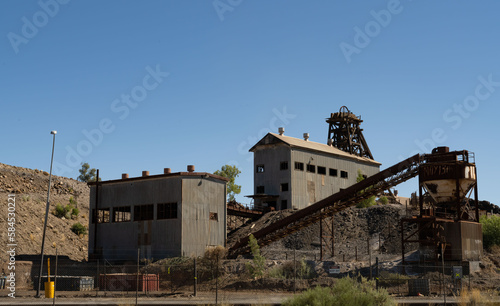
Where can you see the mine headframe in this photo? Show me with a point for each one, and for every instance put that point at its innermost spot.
(344, 132)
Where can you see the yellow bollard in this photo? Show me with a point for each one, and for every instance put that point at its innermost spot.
(49, 286)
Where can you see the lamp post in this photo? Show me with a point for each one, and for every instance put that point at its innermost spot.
(46, 214)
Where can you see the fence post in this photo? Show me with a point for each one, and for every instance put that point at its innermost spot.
(376, 272)
(137, 278)
(55, 282)
(369, 257)
(98, 279)
(217, 282)
(356, 252)
(294, 273)
(195, 277)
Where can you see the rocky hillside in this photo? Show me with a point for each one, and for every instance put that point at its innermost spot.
(30, 192)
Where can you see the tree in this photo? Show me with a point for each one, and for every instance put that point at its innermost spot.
(87, 174)
(230, 172)
(491, 231)
(258, 264)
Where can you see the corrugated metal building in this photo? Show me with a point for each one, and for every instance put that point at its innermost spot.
(172, 214)
(294, 173)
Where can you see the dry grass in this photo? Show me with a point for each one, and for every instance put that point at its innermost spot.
(472, 297)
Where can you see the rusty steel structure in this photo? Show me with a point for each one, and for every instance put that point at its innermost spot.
(331, 205)
(449, 178)
(344, 132)
(450, 221)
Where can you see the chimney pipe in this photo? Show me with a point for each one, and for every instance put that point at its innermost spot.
(330, 142)
(190, 168)
(167, 170)
(281, 130)
(145, 173)
(306, 136)
(124, 176)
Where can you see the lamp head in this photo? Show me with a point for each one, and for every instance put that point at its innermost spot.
(53, 132)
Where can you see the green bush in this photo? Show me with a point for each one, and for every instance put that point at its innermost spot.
(384, 200)
(74, 213)
(79, 228)
(59, 211)
(257, 266)
(302, 269)
(346, 291)
(491, 231)
(72, 200)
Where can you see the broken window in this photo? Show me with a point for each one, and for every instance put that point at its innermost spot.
(101, 215)
(166, 211)
(311, 168)
(260, 189)
(333, 172)
(284, 187)
(321, 170)
(343, 174)
(299, 166)
(121, 214)
(214, 216)
(143, 212)
(260, 169)
(284, 165)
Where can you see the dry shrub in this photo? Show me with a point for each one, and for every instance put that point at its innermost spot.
(214, 254)
(472, 297)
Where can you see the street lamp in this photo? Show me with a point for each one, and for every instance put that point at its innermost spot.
(46, 215)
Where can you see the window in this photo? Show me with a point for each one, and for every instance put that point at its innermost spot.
(284, 187)
(214, 216)
(284, 165)
(166, 211)
(143, 212)
(121, 214)
(101, 215)
(260, 169)
(343, 174)
(333, 172)
(321, 170)
(260, 189)
(311, 168)
(284, 204)
(299, 166)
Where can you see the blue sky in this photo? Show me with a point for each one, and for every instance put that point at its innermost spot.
(133, 86)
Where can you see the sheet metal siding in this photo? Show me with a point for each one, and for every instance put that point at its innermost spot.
(308, 188)
(271, 157)
(156, 238)
(465, 239)
(200, 198)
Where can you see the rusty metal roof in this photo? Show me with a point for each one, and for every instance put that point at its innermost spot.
(176, 174)
(309, 145)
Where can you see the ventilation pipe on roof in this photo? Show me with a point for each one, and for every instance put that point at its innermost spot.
(167, 170)
(124, 176)
(330, 142)
(190, 168)
(306, 136)
(145, 173)
(281, 130)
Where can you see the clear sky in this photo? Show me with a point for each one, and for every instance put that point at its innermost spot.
(144, 85)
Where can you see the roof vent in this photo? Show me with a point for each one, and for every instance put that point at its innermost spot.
(167, 170)
(190, 168)
(330, 142)
(124, 176)
(306, 136)
(281, 130)
(145, 173)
